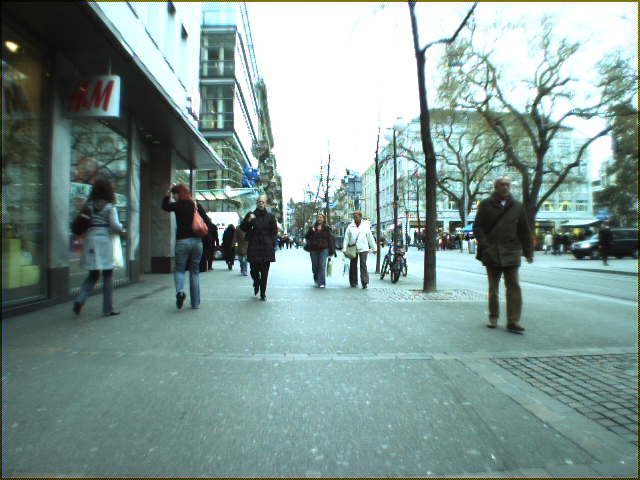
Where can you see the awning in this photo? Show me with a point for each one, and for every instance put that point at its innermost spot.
(580, 223)
(468, 229)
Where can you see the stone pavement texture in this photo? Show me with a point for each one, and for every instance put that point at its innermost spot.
(384, 382)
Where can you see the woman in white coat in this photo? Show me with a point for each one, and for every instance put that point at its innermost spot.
(97, 247)
(359, 233)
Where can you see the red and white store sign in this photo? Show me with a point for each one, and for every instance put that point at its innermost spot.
(92, 97)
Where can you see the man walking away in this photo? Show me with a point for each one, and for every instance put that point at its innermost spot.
(503, 235)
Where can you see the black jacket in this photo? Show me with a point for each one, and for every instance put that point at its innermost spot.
(319, 240)
(263, 236)
(184, 216)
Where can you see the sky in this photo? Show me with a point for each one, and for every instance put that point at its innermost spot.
(337, 71)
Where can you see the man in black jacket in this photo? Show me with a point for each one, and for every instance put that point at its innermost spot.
(262, 230)
(503, 235)
(605, 238)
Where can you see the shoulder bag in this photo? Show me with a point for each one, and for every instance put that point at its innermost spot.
(198, 226)
(82, 222)
(495, 224)
(351, 252)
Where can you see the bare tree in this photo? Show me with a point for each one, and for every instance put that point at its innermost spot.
(528, 116)
(429, 281)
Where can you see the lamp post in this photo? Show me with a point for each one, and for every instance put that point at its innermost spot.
(399, 126)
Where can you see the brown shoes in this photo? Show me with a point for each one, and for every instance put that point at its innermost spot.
(515, 328)
(493, 322)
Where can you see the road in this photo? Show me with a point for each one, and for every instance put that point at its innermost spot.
(562, 273)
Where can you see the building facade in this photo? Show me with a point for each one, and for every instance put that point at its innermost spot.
(234, 114)
(570, 204)
(109, 90)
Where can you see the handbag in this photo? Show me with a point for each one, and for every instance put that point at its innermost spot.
(198, 226)
(479, 250)
(82, 222)
(351, 251)
(116, 245)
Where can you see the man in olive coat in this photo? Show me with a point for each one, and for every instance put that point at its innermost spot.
(503, 236)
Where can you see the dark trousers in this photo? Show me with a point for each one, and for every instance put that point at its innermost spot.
(260, 274)
(353, 270)
(514, 294)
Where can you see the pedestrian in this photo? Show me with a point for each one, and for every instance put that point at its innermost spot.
(262, 228)
(229, 245)
(188, 250)
(97, 245)
(548, 242)
(241, 248)
(359, 233)
(605, 238)
(503, 235)
(320, 240)
(209, 243)
(557, 244)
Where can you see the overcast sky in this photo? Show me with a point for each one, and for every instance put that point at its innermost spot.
(332, 69)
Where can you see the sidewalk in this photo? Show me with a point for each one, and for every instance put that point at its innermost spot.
(339, 382)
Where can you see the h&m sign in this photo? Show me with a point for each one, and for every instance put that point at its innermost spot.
(92, 97)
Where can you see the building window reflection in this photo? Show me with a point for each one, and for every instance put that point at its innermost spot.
(23, 140)
(96, 152)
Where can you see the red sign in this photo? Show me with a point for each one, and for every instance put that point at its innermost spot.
(92, 97)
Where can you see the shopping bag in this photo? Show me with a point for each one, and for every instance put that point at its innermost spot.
(116, 244)
(329, 267)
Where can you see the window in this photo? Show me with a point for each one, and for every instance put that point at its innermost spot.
(216, 112)
(23, 141)
(96, 152)
(581, 206)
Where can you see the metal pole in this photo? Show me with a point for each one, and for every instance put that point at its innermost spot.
(395, 192)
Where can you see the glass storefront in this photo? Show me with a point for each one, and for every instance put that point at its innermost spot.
(97, 151)
(24, 84)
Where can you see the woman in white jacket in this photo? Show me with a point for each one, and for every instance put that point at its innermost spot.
(359, 233)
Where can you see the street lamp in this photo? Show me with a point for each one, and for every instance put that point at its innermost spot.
(399, 126)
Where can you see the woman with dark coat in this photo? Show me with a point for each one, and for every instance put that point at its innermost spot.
(228, 244)
(209, 244)
(261, 228)
(97, 247)
(188, 245)
(320, 241)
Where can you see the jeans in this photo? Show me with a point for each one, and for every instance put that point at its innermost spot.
(188, 250)
(319, 265)
(514, 294)
(243, 263)
(90, 282)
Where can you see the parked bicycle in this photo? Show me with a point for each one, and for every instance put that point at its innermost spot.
(394, 263)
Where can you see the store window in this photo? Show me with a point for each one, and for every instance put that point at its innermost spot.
(23, 150)
(97, 151)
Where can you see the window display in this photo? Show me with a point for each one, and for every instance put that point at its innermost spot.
(97, 151)
(23, 140)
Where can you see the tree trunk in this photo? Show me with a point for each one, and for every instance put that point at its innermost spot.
(429, 281)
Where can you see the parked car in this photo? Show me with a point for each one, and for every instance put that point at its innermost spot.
(625, 243)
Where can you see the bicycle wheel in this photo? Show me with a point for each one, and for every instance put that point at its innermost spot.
(405, 269)
(385, 269)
